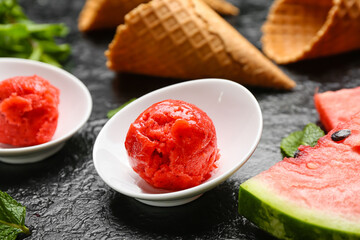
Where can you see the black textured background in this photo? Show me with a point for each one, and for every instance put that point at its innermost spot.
(66, 199)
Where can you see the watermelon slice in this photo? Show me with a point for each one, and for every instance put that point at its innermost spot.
(337, 106)
(313, 196)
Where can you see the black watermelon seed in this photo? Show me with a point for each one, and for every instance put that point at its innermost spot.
(296, 153)
(340, 135)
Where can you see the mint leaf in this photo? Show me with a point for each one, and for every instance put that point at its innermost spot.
(291, 143)
(22, 38)
(111, 113)
(11, 12)
(12, 217)
(312, 133)
(308, 137)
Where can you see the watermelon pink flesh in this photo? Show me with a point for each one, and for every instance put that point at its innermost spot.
(316, 194)
(337, 106)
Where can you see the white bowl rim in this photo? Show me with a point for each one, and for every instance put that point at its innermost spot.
(23, 150)
(203, 187)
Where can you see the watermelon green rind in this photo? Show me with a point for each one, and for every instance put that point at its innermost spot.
(285, 220)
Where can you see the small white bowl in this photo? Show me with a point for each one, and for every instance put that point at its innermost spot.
(74, 108)
(237, 118)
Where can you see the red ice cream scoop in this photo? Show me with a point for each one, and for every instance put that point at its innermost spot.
(28, 110)
(172, 145)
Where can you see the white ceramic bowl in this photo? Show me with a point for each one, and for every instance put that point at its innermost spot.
(237, 118)
(74, 108)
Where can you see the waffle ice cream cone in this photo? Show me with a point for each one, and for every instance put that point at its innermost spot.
(187, 39)
(101, 14)
(223, 7)
(304, 29)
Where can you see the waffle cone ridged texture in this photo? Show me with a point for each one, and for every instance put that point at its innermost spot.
(186, 39)
(304, 29)
(101, 14)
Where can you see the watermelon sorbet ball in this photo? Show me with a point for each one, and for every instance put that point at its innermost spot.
(172, 145)
(28, 110)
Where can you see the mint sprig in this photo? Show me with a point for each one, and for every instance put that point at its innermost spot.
(308, 137)
(22, 38)
(12, 218)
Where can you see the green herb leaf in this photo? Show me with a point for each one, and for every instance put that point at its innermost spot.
(20, 37)
(111, 113)
(308, 136)
(12, 217)
(11, 12)
(312, 133)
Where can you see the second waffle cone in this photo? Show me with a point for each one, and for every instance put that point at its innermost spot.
(304, 29)
(102, 14)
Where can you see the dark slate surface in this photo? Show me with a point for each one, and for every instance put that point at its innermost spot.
(66, 199)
